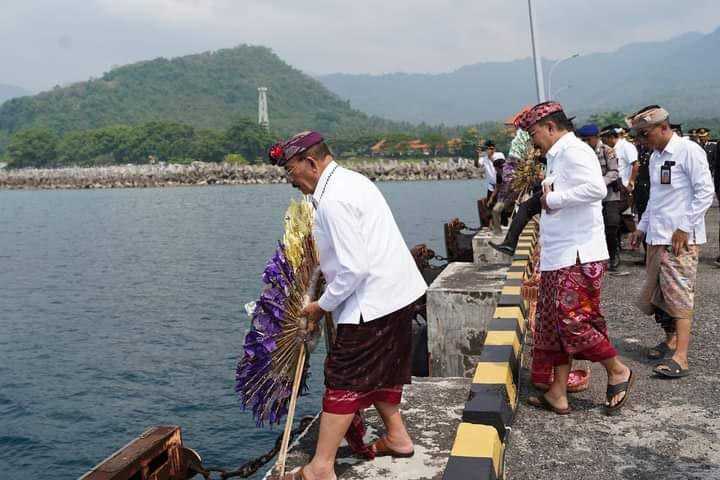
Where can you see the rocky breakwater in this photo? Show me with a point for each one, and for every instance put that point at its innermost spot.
(198, 173)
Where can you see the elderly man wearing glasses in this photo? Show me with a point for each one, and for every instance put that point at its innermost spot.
(673, 226)
(372, 286)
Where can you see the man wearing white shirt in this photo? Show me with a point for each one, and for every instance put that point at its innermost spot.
(628, 168)
(489, 159)
(372, 286)
(573, 260)
(673, 226)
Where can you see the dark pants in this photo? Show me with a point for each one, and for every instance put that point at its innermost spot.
(612, 215)
(526, 210)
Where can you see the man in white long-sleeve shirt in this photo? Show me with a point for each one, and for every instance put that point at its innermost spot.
(573, 260)
(673, 225)
(372, 286)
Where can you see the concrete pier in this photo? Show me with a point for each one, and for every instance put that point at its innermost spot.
(460, 304)
(483, 253)
(432, 408)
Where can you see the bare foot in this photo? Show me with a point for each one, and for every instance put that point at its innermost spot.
(558, 401)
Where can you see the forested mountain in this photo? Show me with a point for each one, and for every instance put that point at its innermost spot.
(207, 90)
(11, 91)
(680, 73)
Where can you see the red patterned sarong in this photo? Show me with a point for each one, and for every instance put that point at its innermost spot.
(569, 322)
(343, 402)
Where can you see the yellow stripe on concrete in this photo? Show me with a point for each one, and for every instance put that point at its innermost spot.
(503, 337)
(511, 290)
(524, 245)
(478, 441)
(491, 373)
(524, 251)
(517, 275)
(519, 263)
(509, 312)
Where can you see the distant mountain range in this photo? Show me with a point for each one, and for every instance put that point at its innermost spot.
(682, 74)
(206, 90)
(11, 91)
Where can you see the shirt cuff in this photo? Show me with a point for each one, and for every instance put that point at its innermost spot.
(553, 200)
(685, 226)
(326, 304)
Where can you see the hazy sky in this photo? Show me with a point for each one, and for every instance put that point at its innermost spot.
(49, 42)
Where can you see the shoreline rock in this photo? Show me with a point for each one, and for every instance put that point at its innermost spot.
(201, 174)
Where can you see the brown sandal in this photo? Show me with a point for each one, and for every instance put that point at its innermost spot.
(382, 450)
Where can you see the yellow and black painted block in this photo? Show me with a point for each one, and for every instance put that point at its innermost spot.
(511, 297)
(514, 282)
(501, 352)
(477, 454)
(517, 271)
(489, 405)
(497, 373)
(513, 312)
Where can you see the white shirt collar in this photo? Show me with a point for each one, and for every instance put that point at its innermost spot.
(321, 185)
(672, 144)
(560, 144)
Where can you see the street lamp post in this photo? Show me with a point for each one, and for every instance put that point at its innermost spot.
(552, 69)
(539, 81)
(553, 96)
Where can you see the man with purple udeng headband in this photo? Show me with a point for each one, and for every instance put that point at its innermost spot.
(372, 286)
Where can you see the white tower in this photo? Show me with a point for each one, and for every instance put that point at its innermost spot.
(263, 108)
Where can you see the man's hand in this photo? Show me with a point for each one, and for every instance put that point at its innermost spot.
(636, 238)
(679, 241)
(631, 186)
(313, 313)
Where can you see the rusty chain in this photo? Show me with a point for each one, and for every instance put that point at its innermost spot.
(251, 466)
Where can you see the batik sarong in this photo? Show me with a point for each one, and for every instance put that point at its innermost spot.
(369, 363)
(569, 321)
(670, 282)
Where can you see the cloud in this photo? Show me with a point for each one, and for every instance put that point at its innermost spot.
(58, 42)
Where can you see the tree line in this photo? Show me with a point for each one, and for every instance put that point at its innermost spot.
(170, 142)
(244, 141)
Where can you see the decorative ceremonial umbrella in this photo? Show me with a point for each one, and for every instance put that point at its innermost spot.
(274, 365)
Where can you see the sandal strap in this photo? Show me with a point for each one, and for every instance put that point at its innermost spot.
(613, 390)
(671, 365)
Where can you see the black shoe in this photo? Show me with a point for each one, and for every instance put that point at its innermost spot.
(614, 263)
(502, 248)
(717, 262)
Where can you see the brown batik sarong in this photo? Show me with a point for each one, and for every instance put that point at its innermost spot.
(369, 362)
(569, 322)
(670, 282)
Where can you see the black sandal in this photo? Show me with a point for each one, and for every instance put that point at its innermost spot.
(613, 390)
(542, 402)
(660, 351)
(671, 369)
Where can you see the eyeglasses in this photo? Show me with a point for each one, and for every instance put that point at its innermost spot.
(290, 169)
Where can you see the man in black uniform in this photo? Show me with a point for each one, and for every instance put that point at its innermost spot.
(702, 136)
(642, 181)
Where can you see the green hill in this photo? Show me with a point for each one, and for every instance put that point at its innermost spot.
(207, 90)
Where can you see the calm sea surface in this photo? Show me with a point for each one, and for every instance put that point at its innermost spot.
(123, 309)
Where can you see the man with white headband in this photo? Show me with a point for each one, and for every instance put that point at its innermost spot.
(673, 226)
